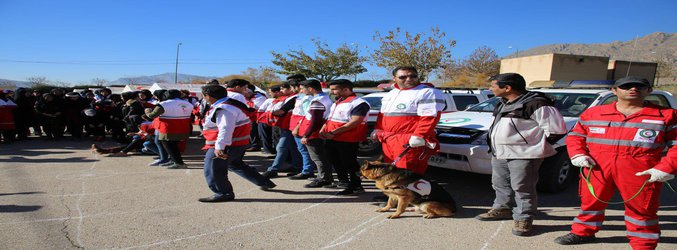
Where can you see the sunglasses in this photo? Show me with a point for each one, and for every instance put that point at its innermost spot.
(633, 85)
(407, 76)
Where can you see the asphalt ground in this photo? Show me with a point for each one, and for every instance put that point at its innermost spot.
(58, 195)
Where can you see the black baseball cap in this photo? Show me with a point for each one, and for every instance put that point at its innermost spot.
(632, 79)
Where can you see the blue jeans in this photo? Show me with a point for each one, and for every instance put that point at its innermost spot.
(150, 146)
(162, 152)
(216, 171)
(286, 147)
(308, 164)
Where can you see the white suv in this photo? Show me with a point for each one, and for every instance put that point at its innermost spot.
(455, 99)
(463, 135)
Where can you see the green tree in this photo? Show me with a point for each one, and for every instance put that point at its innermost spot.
(325, 65)
(426, 53)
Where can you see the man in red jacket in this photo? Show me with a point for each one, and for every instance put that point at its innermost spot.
(622, 142)
(408, 117)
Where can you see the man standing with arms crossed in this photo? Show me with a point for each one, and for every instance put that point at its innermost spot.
(408, 117)
(525, 125)
(622, 142)
(226, 133)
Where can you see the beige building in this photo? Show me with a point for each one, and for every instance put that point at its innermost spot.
(566, 68)
(619, 69)
(557, 67)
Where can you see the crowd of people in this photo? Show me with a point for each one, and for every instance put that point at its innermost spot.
(308, 133)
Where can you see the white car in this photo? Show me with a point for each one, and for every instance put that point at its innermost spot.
(463, 135)
(455, 99)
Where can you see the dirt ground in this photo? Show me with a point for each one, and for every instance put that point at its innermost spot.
(57, 195)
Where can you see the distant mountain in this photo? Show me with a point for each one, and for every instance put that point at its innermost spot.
(18, 84)
(650, 48)
(164, 78)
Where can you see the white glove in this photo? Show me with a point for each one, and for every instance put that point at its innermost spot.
(415, 141)
(583, 161)
(656, 175)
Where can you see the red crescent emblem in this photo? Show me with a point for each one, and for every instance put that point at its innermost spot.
(416, 184)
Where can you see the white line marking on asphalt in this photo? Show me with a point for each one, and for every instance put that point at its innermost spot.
(232, 228)
(498, 229)
(352, 237)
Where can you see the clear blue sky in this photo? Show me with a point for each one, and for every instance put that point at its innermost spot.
(76, 41)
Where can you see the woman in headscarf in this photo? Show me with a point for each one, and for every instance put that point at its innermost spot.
(7, 126)
(50, 113)
(24, 112)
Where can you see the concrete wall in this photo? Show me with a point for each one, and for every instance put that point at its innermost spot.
(619, 69)
(532, 68)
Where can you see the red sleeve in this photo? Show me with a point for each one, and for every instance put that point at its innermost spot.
(426, 125)
(379, 121)
(668, 163)
(575, 141)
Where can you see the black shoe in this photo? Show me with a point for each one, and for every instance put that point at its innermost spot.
(268, 187)
(351, 191)
(269, 174)
(339, 185)
(317, 183)
(217, 198)
(302, 176)
(573, 239)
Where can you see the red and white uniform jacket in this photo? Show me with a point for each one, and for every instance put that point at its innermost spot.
(255, 103)
(263, 111)
(7, 115)
(237, 96)
(277, 121)
(176, 118)
(606, 134)
(339, 115)
(299, 111)
(225, 125)
(413, 111)
(322, 99)
(407, 112)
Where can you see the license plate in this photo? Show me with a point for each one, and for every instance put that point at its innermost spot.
(437, 159)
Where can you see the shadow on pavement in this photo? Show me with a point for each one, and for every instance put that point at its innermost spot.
(18, 209)
(20, 193)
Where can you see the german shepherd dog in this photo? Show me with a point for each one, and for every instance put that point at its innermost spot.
(404, 187)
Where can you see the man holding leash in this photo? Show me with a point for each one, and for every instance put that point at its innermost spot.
(622, 142)
(409, 114)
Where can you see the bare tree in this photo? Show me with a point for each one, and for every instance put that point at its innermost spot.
(425, 53)
(99, 82)
(37, 81)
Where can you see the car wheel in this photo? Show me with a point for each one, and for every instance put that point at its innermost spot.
(556, 173)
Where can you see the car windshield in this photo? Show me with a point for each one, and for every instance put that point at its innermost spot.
(568, 104)
(374, 102)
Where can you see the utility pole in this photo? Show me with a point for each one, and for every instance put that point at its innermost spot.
(176, 70)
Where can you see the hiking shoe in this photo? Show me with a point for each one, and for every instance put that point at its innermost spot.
(495, 214)
(351, 191)
(269, 174)
(573, 239)
(317, 183)
(177, 166)
(302, 176)
(522, 227)
(166, 164)
(339, 185)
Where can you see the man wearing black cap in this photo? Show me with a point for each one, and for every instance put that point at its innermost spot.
(622, 142)
(525, 125)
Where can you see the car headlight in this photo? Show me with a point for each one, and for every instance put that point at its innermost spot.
(481, 140)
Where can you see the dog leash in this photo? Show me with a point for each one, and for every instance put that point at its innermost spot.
(406, 149)
(592, 190)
